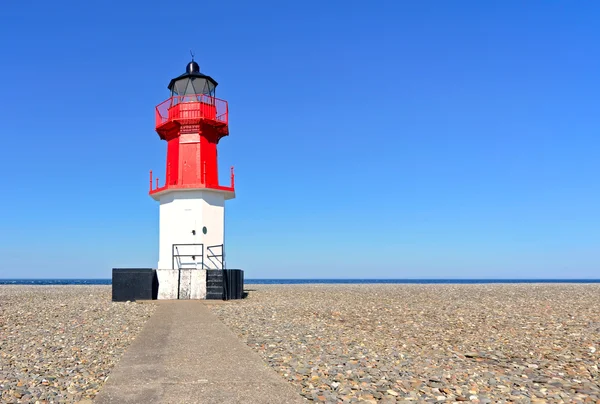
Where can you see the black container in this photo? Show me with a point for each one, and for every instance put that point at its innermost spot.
(134, 284)
(234, 281)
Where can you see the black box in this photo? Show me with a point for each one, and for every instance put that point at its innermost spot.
(234, 283)
(134, 284)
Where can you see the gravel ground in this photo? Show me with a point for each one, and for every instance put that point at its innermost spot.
(527, 343)
(59, 343)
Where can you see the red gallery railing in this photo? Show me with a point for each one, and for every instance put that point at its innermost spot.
(188, 109)
(155, 188)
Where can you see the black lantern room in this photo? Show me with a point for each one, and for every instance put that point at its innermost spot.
(192, 82)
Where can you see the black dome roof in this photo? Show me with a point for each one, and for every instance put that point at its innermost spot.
(192, 71)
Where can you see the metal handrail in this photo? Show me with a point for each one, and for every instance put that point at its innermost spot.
(211, 254)
(175, 247)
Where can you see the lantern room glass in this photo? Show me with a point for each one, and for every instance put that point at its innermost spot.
(193, 86)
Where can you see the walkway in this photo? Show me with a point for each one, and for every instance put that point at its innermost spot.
(184, 354)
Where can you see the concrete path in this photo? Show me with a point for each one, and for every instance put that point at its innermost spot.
(184, 354)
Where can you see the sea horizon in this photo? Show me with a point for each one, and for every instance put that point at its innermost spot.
(296, 281)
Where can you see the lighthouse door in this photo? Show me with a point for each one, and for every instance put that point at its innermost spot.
(189, 251)
(196, 250)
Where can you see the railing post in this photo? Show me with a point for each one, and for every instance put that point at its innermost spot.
(232, 178)
(156, 182)
(150, 180)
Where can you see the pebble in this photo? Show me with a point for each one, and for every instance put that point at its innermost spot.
(59, 343)
(426, 343)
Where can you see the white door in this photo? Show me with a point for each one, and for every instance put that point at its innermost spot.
(188, 252)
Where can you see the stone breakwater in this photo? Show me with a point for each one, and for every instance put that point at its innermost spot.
(59, 343)
(528, 343)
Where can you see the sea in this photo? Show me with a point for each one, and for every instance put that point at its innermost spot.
(310, 281)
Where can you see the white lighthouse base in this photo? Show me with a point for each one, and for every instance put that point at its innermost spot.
(181, 284)
(191, 229)
(173, 284)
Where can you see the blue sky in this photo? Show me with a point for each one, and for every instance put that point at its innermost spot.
(388, 139)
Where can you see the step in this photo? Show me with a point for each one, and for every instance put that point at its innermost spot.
(214, 285)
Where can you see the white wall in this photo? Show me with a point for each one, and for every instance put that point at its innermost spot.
(180, 213)
(192, 283)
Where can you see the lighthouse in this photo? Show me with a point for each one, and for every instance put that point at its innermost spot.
(191, 200)
(191, 246)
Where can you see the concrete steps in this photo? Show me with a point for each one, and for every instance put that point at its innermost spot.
(214, 284)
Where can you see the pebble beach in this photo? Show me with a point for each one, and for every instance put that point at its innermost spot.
(518, 343)
(59, 343)
(500, 343)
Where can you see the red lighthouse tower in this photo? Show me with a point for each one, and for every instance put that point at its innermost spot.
(192, 121)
